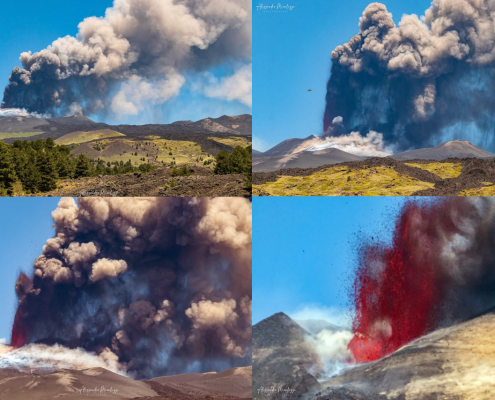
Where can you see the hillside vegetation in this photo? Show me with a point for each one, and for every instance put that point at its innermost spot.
(443, 170)
(28, 167)
(83, 137)
(20, 135)
(344, 181)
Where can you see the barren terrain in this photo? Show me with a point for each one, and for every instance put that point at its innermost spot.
(202, 183)
(68, 384)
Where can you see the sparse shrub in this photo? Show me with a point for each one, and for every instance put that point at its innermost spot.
(183, 171)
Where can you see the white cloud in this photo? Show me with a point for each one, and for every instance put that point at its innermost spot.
(135, 92)
(333, 315)
(235, 87)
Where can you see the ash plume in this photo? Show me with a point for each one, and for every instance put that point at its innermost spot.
(163, 285)
(137, 54)
(424, 81)
(437, 271)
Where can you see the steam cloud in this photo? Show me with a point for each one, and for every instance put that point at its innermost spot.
(329, 340)
(159, 285)
(423, 81)
(136, 54)
(41, 358)
(371, 145)
(437, 271)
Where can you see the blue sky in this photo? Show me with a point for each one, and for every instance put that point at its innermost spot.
(25, 225)
(304, 249)
(34, 24)
(291, 54)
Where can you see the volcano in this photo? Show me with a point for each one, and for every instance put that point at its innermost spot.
(453, 149)
(303, 159)
(451, 363)
(282, 359)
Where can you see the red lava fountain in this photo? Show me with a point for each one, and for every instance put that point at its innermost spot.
(19, 334)
(398, 288)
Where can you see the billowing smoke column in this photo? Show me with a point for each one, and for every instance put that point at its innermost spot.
(438, 270)
(422, 81)
(136, 54)
(163, 285)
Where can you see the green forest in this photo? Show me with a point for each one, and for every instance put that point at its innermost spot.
(240, 161)
(38, 164)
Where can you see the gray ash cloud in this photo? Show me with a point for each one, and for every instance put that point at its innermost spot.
(419, 82)
(162, 285)
(137, 54)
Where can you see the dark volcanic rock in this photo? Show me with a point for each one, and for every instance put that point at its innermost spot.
(281, 359)
(202, 183)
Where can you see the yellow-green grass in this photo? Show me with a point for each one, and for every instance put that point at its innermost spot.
(344, 181)
(487, 190)
(443, 170)
(84, 137)
(135, 160)
(22, 135)
(184, 152)
(232, 141)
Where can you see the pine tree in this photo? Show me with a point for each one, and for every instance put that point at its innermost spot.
(83, 167)
(7, 172)
(223, 163)
(48, 171)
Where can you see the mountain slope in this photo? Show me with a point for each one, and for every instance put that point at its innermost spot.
(21, 124)
(453, 149)
(99, 382)
(237, 125)
(232, 382)
(72, 120)
(451, 363)
(304, 159)
(286, 147)
(70, 384)
(281, 359)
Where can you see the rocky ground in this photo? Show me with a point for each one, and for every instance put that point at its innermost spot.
(281, 359)
(202, 183)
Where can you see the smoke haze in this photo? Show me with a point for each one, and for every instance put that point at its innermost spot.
(424, 81)
(160, 286)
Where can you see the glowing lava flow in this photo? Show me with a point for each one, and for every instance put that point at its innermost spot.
(397, 289)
